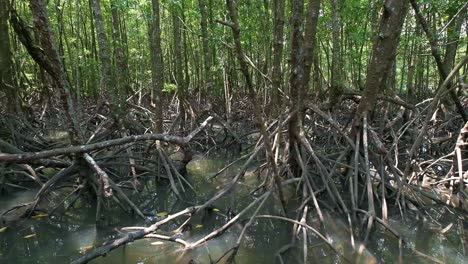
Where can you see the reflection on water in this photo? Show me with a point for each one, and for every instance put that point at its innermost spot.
(143, 252)
(15, 199)
(59, 239)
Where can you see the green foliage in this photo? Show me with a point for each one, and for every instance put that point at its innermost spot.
(169, 87)
(74, 32)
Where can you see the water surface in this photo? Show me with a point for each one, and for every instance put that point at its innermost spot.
(64, 237)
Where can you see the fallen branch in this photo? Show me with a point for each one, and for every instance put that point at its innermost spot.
(132, 236)
(30, 156)
(231, 222)
(168, 238)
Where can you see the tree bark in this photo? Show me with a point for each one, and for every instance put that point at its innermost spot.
(278, 39)
(302, 54)
(48, 57)
(453, 36)
(383, 56)
(336, 87)
(179, 75)
(107, 80)
(6, 63)
(309, 44)
(206, 47)
(157, 66)
(121, 60)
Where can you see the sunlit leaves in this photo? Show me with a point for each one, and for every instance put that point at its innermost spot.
(169, 87)
(162, 214)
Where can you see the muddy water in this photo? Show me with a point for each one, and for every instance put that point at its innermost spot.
(60, 239)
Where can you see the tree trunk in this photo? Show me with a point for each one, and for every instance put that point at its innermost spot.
(383, 56)
(309, 44)
(121, 62)
(412, 62)
(179, 75)
(453, 36)
(206, 48)
(336, 87)
(278, 39)
(49, 58)
(302, 53)
(295, 79)
(157, 66)
(6, 63)
(107, 80)
(185, 52)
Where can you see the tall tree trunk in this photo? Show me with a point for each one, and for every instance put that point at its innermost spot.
(48, 57)
(278, 39)
(412, 64)
(295, 80)
(93, 32)
(179, 74)
(302, 54)
(206, 48)
(453, 36)
(185, 52)
(107, 80)
(336, 87)
(297, 68)
(120, 58)
(157, 66)
(383, 56)
(6, 63)
(313, 9)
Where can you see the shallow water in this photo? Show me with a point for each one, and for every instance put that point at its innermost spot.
(60, 239)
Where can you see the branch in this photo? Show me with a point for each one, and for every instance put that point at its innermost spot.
(29, 156)
(167, 238)
(25, 37)
(132, 236)
(225, 23)
(103, 177)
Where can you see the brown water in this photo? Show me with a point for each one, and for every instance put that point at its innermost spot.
(60, 239)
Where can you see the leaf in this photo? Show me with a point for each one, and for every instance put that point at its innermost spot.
(161, 214)
(3, 229)
(198, 226)
(216, 210)
(157, 243)
(29, 236)
(39, 216)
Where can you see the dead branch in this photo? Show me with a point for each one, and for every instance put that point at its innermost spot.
(132, 236)
(30, 156)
